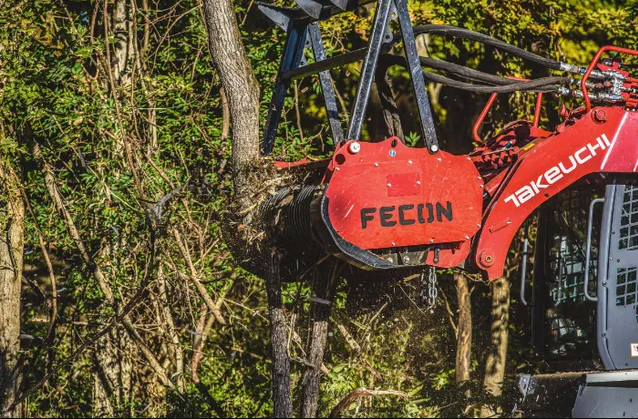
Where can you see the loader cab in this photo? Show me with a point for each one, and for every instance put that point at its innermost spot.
(561, 317)
(583, 309)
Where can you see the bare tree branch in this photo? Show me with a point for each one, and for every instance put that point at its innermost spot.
(360, 393)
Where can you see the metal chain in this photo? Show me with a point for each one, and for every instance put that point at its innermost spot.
(429, 292)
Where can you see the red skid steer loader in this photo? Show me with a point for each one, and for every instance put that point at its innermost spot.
(380, 205)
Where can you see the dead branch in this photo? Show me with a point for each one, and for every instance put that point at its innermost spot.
(194, 277)
(202, 335)
(361, 393)
(96, 271)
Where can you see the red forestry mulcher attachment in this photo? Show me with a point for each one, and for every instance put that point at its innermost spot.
(383, 205)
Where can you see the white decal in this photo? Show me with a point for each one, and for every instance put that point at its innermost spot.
(558, 172)
(613, 143)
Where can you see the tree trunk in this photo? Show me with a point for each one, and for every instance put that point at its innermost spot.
(112, 389)
(324, 288)
(11, 264)
(123, 49)
(240, 85)
(497, 358)
(278, 342)
(464, 338)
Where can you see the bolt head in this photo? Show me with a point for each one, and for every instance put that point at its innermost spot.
(355, 147)
(434, 149)
(600, 116)
(486, 259)
(406, 259)
(389, 185)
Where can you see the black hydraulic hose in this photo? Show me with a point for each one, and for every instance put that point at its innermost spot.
(544, 85)
(488, 40)
(466, 72)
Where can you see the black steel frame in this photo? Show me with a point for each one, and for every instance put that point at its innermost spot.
(302, 28)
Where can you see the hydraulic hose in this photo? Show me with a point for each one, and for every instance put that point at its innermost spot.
(488, 40)
(466, 72)
(544, 85)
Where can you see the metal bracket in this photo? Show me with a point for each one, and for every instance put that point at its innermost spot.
(293, 54)
(301, 35)
(590, 225)
(524, 265)
(302, 23)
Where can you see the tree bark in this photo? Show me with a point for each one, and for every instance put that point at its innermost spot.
(240, 86)
(123, 49)
(324, 288)
(497, 358)
(464, 336)
(278, 342)
(11, 265)
(112, 387)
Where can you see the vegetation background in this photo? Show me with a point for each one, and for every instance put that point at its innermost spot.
(115, 164)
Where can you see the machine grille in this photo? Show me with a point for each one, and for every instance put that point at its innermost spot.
(627, 285)
(629, 221)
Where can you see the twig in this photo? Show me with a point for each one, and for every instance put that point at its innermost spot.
(202, 336)
(298, 111)
(95, 269)
(225, 115)
(449, 312)
(194, 277)
(361, 393)
(250, 6)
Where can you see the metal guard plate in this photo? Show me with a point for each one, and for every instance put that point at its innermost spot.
(388, 195)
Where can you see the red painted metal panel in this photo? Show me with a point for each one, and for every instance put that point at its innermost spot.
(550, 165)
(388, 195)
